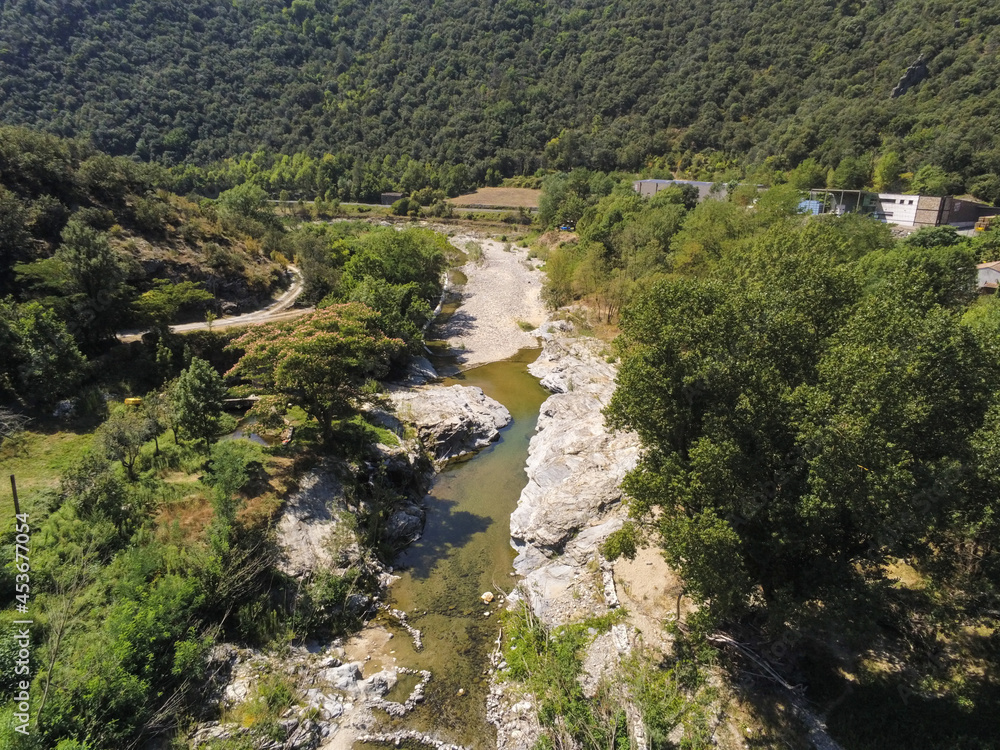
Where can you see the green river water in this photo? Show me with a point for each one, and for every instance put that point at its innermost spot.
(465, 551)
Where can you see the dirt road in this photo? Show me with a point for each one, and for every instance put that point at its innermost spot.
(279, 309)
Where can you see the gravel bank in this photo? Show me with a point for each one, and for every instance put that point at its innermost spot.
(503, 289)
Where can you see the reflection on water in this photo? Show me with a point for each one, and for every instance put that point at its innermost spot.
(465, 550)
(245, 430)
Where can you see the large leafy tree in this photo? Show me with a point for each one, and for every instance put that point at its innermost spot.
(40, 361)
(321, 361)
(96, 286)
(804, 419)
(414, 256)
(14, 239)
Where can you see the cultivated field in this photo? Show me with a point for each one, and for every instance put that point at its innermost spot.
(496, 197)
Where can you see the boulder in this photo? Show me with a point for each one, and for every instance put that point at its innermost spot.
(451, 421)
(345, 677)
(379, 683)
(420, 371)
(404, 526)
(307, 521)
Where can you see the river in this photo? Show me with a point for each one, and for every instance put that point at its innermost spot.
(465, 551)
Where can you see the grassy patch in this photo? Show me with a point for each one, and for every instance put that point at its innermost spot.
(356, 433)
(270, 696)
(475, 253)
(38, 458)
(525, 326)
(549, 664)
(669, 694)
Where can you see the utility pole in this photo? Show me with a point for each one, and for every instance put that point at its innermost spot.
(13, 488)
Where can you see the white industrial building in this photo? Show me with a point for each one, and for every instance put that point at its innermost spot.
(989, 276)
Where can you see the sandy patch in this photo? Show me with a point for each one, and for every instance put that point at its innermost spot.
(500, 197)
(648, 588)
(371, 646)
(503, 290)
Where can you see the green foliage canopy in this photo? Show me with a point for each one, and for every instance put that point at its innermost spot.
(807, 416)
(41, 362)
(196, 398)
(321, 361)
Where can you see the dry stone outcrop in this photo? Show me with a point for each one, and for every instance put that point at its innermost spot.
(568, 508)
(575, 465)
(451, 421)
(311, 516)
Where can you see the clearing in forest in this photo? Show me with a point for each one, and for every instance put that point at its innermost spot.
(500, 197)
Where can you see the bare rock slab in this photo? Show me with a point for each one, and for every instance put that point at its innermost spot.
(451, 421)
(310, 516)
(575, 464)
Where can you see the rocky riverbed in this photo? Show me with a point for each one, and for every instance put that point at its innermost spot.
(337, 704)
(569, 507)
(572, 501)
(342, 686)
(500, 303)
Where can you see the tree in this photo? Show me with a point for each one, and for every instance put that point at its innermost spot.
(41, 362)
(851, 173)
(885, 177)
(565, 197)
(411, 256)
(234, 464)
(123, 434)
(928, 237)
(248, 201)
(159, 306)
(98, 295)
(987, 188)
(404, 206)
(931, 179)
(14, 239)
(808, 175)
(96, 491)
(792, 433)
(196, 397)
(158, 409)
(321, 361)
(403, 313)
(927, 268)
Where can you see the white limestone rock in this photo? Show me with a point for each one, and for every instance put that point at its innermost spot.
(307, 521)
(571, 502)
(451, 421)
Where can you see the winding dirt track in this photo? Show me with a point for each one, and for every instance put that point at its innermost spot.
(279, 309)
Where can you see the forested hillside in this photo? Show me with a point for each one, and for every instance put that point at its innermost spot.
(511, 86)
(153, 526)
(89, 248)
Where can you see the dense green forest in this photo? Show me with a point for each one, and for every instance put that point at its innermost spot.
(816, 401)
(506, 88)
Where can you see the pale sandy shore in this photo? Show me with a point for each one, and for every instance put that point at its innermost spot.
(503, 291)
